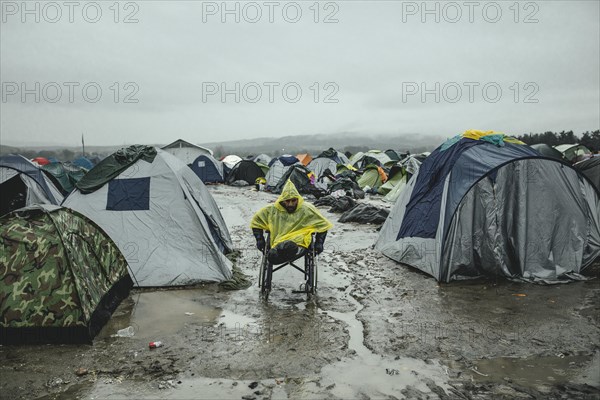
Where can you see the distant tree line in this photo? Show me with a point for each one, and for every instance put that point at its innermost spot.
(591, 140)
(61, 155)
(221, 151)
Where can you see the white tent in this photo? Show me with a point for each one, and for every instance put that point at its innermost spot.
(164, 221)
(573, 152)
(262, 158)
(381, 157)
(186, 151)
(231, 160)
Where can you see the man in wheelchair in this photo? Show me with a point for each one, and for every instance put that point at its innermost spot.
(291, 223)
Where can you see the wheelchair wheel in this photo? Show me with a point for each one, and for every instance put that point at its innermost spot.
(267, 275)
(310, 273)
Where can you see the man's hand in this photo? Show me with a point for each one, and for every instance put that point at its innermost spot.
(320, 242)
(260, 243)
(318, 248)
(260, 239)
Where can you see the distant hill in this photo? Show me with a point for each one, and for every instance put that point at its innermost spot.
(317, 143)
(8, 150)
(63, 153)
(274, 146)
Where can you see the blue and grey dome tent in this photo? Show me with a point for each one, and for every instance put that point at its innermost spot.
(23, 183)
(208, 169)
(483, 205)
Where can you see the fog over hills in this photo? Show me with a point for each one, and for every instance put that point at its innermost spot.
(352, 142)
(317, 143)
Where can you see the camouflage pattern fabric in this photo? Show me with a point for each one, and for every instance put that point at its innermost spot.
(55, 267)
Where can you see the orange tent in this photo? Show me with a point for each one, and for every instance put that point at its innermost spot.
(304, 158)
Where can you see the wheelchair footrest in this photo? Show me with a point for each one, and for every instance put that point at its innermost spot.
(302, 289)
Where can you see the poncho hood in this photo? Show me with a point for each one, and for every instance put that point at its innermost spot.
(289, 192)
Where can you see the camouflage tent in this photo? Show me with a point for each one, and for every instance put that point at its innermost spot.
(61, 276)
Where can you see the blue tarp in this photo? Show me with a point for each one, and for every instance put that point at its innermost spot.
(422, 215)
(469, 160)
(128, 194)
(285, 160)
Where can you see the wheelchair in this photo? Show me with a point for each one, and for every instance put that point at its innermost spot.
(310, 270)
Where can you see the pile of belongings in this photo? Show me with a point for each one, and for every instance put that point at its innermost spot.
(352, 211)
(348, 185)
(364, 213)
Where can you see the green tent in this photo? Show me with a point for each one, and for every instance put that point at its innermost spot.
(344, 167)
(67, 174)
(395, 176)
(61, 276)
(370, 177)
(265, 168)
(393, 194)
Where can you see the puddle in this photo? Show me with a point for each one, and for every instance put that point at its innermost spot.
(201, 388)
(184, 388)
(534, 372)
(160, 313)
(233, 320)
(369, 374)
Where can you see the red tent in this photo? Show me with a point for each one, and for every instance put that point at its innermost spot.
(41, 160)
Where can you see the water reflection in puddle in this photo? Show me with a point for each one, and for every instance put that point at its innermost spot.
(160, 313)
(536, 371)
(387, 376)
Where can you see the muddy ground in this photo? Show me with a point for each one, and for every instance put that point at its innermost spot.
(376, 329)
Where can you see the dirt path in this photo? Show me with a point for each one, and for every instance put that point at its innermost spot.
(376, 330)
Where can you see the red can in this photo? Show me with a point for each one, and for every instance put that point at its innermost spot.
(154, 345)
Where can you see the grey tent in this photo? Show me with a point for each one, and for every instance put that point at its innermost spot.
(278, 167)
(161, 216)
(591, 169)
(338, 157)
(318, 166)
(299, 175)
(548, 151)
(23, 183)
(476, 209)
(245, 170)
(392, 154)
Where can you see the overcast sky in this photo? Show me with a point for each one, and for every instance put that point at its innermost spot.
(187, 69)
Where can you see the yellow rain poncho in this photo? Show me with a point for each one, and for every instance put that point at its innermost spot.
(297, 226)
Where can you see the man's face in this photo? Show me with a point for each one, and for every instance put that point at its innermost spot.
(290, 205)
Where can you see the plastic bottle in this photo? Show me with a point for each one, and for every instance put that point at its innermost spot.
(125, 332)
